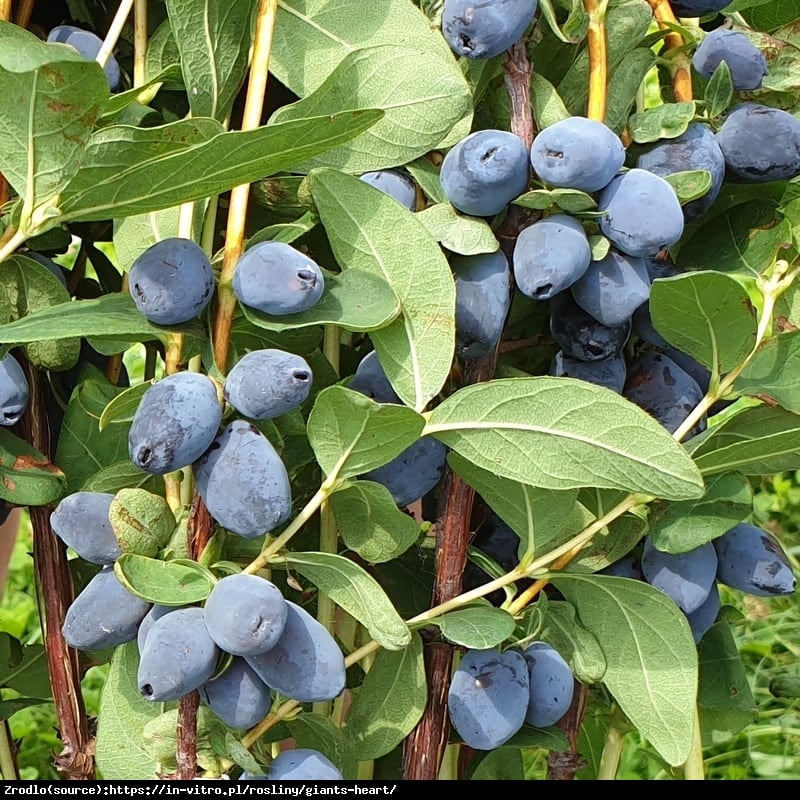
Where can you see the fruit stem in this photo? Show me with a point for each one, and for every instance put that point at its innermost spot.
(24, 13)
(694, 768)
(598, 60)
(139, 41)
(10, 241)
(612, 752)
(114, 32)
(8, 764)
(5, 10)
(673, 44)
(273, 718)
(237, 214)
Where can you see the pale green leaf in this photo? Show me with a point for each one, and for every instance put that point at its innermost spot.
(667, 121)
(690, 184)
(579, 648)
(774, 372)
(683, 526)
(357, 592)
(352, 434)
(548, 107)
(389, 703)
(467, 236)
(707, 315)
(163, 169)
(319, 733)
(651, 660)
(370, 231)
(571, 200)
(520, 427)
(168, 583)
(210, 38)
(121, 754)
(477, 627)
(370, 523)
(422, 92)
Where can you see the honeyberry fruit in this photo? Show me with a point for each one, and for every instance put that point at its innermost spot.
(81, 521)
(478, 29)
(745, 61)
(551, 685)
(14, 391)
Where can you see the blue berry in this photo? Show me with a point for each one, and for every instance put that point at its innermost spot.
(551, 685)
(81, 522)
(395, 184)
(14, 391)
(745, 61)
(687, 578)
(482, 30)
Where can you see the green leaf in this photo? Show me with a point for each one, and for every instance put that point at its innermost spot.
(28, 287)
(625, 82)
(745, 238)
(758, 441)
(111, 315)
(162, 53)
(579, 648)
(359, 594)
(141, 521)
(10, 707)
(82, 448)
(286, 232)
(168, 583)
(122, 475)
(123, 714)
(690, 184)
(772, 374)
(352, 434)
(719, 90)
(160, 739)
(548, 107)
(354, 299)
(312, 36)
(726, 703)
(123, 407)
(570, 200)
(369, 230)
(53, 97)
(167, 169)
(389, 703)
(666, 121)
(706, 315)
(142, 95)
(518, 427)
(502, 764)
(651, 660)
(241, 756)
(599, 246)
(575, 26)
(467, 236)
(477, 627)
(370, 523)
(680, 527)
(422, 92)
(427, 176)
(210, 39)
(23, 668)
(540, 517)
(28, 478)
(319, 733)
(546, 738)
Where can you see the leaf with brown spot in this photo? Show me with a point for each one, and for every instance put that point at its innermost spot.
(28, 478)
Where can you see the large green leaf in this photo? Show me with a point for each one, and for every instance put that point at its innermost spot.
(540, 517)
(757, 441)
(519, 428)
(683, 526)
(389, 703)
(478, 627)
(371, 231)
(28, 287)
(774, 372)
(121, 754)
(458, 234)
(579, 648)
(352, 434)
(707, 315)
(370, 523)
(357, 592)
(320, 734)
(52, 99)
(651, 660)
(27, 478)
(111, 315)
(422, 92)
(313, 36)
(168, 583)
(138, 170)
(211, 39)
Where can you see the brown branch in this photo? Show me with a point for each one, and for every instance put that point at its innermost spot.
(187, 736)
(563, 766)
(673, 42)
(24, 13)
(424, 747)
(54, 596)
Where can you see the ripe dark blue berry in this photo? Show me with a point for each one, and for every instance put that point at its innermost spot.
(14, 391)
(551, 685)
(81, 521)
(482, 30)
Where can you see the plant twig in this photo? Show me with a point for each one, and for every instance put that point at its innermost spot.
(673, 44)
(139, 41)
(24, 13)
(8, 761)
(187, 737)
(55, 594)
(5, 14)
(598, 59)
(114, 32)
(612, 752)
(237, 213)
(694, 768)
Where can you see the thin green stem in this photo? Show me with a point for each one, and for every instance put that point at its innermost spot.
(276, 545)
(10, 241)
(8, 764)
(694, 769)
(612, 753)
